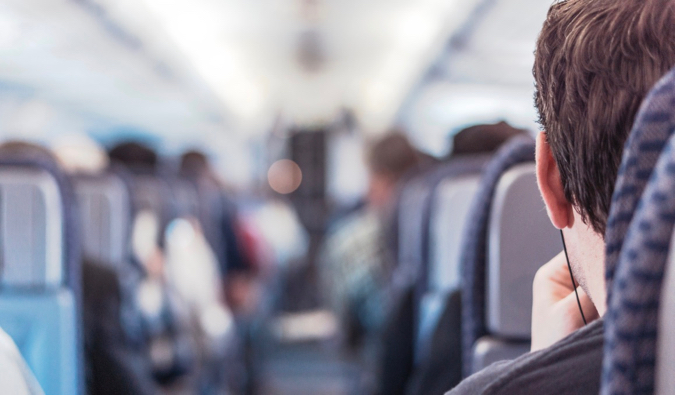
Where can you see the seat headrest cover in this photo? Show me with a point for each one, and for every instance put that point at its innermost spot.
(631, 318)
(473, 261)
(654, 124)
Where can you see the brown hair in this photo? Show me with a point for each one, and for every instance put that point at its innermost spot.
(595, 61)
(392, 155)
(480, 139)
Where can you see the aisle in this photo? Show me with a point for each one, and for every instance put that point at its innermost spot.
(311, 369)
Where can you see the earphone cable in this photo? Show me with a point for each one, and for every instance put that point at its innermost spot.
(572, 277)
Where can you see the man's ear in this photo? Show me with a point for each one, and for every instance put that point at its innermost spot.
(550, 185)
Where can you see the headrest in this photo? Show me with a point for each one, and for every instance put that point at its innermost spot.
(521, 239)
(632, 311)
(654, 124)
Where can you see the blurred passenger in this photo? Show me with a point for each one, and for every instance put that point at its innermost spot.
(355, 262)
(587, 101)
(224, 232)
(166, 315)
(478, 139)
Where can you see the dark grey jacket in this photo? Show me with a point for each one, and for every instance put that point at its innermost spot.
(571, 366)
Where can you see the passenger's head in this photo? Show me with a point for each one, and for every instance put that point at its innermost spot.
(24, 149)
(479, 139)
(194, 164)
(80, 154)
(595, 62)
(134, 155)
(388, 160)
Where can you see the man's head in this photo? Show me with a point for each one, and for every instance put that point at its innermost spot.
(595, 61)
(388, 159)
(194, 164)
(134, 155)
(483, 139)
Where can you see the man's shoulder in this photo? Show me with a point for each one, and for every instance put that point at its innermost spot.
(571, 366)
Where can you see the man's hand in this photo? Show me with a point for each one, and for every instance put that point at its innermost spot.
(555, 313)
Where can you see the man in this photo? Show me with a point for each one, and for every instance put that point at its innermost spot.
(595, 61)
(355, 262)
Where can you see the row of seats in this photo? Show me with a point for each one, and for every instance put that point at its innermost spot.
(470, 242)
(464, 276)
(44, 216)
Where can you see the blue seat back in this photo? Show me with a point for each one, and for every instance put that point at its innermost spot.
(39, 299)
(635, 262)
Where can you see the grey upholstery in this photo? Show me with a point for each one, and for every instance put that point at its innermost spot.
(520, 240)
(451, 210)
(31, 224)
(186, 198)
(153, 193)
(105, 211)
(411, 222)
(665, 347)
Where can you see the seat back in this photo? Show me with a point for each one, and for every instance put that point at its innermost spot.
(474, 249)
(665, 347)
(521, 239)
(410, 219)
(631, 321)
(450, 207)
(105, 212)
(38, 305)
(636, 244)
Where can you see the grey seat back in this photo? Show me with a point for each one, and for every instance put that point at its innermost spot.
(450, 213)
(105, 212)
(411, 222)
(521, 239)
(665, 347)
(474, 249)
(32, 229)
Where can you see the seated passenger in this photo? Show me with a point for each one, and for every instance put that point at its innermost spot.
(220, 221)
(595, 61)
(355, 265)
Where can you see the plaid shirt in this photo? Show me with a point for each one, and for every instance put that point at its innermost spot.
(354, 270)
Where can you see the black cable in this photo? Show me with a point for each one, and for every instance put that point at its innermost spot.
(572, 277)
